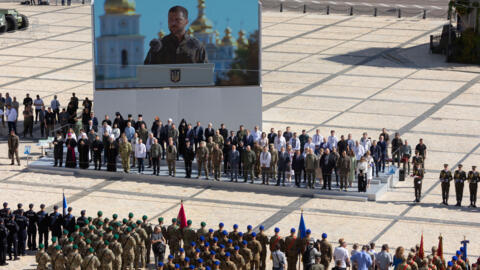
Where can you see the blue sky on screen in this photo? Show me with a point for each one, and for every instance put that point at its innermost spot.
(236, 14)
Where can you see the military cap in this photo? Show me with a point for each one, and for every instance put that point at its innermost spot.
(91, 227)
(160, 264)
(217, 262)
(227, 254)
(100, 223)
(249, 227)
(181, 250)
(203, 224)
(276, 230)
(106, 242)
(235, 226)
(192, 267)
(91, 250)
(212, 252)
(65, 231)
(222, 246)
(89, 219)
(125, 221)
(202, 238)
(69, 209)
(75, 247)
(207, 244)
(129, 229)
(160, 219)
(189, 222)
(109, 228)
(208, 268)
(55, 207)
(41, 246)
(454, 258)
(117, 224)
(174, 220)
(130, 215)
(324, 235)
(308, 231)
(210, 230)
(459, 252)
(244, 242)
(230, 241)
(177, 266)
(57, 247)
(77, 227)
(88, 241)
(139, 222)
(224, 232)
(192, 243)
(19, 205)
(170, 256)
(215, 239)
(42, 205)
(240, 233)
(70, 239)
(200, 260)
(220, 225)
(82, 212)
(144, 217)
(54, 239)
(254, 234)
(114, 216)
(100, 234)
(236, 248)
(261, 228)
(187, 259)
(134, 226)
(197, 250)
(450, 263)
(81, 234)
(30, 205)
(115, 236)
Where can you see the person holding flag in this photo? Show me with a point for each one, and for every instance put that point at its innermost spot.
(437, 254)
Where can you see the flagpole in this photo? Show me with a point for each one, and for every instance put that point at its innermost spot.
(301, 239)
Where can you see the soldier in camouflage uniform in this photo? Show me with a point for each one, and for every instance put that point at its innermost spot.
(291, 250)
(210, 144)
(128, 246)
(171, 157)
(263, 239)
(202, 159)
(174, 237)
(217, 158)
(42, 258)
(125, 149)
(256, 247)
(117, 249)
(74, 259)
(90, 262)
(106, 256)
(248, 162)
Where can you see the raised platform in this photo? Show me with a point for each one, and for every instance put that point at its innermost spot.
(378, 187)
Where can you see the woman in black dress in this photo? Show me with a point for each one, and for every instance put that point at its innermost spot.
(182, 134)
(112, 153)
(83, 153)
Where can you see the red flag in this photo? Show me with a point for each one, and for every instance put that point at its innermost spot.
(440, 247)
(421, 252)
(182, 218)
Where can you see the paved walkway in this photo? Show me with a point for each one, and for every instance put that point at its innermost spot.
(351, 74)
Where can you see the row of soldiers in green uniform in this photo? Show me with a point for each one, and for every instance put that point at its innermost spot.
(414, 261)
(460, 177)
(126, 244)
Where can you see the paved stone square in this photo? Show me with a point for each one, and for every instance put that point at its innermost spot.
(348, 73)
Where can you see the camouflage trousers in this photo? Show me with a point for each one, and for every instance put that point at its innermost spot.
(117, 263)
(140, 253)
(171, 167)
(127, 260)
(217, 171)
(126, 163)
(202, 164)
(292, 262)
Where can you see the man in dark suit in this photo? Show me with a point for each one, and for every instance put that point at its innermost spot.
(282, 165)
(223, 131)
(42, 221)
(209, 131)
(197, 135)
(55, 222)
(69, 221)
(271, 136)
(188, 157)
(327, 163)
(298, 164)
(32, 228)
(234, 160)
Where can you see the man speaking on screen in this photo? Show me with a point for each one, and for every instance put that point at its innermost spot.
(178, 47)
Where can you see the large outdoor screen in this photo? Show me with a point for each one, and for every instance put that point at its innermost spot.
(168, 43)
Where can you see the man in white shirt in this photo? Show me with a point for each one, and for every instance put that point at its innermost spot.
(310, 145)
(317, 139)
(265, 158)
(341, 254)
(359, 150)
(38, 103)
(55, 105)
(11, 114)
(140, 154)
(106, 128)
(332, 140)
(350, 142)
(295, 142)
(365, 141)
(257, 134)
(279, 141)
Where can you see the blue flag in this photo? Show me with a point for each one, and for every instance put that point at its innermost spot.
(65, 206)
(302, 230)
(465, 242)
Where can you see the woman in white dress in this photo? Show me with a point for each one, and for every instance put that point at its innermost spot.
(370, 169)
(263, 140)
(116, 132)
(362, 167)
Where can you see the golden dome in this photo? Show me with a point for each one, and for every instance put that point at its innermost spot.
(119, 6)
(201, 24)
(218, 41)
(242, 41)
(228, 39)
(161, 34)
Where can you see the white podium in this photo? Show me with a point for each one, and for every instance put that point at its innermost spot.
(181, 75)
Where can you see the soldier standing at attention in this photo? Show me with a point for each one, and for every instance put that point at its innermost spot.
(459, 177)
(41, 258)
(473, 179)
(91, 262)
(125, 150)
(291, 250)
(417, 182)
(445, 178)
(248, 160)
(32, 228)
(3, 243)
(217, 157)
(246, 254)
(202, 158)
(256, 247)
(326, 251)
(263, 239)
